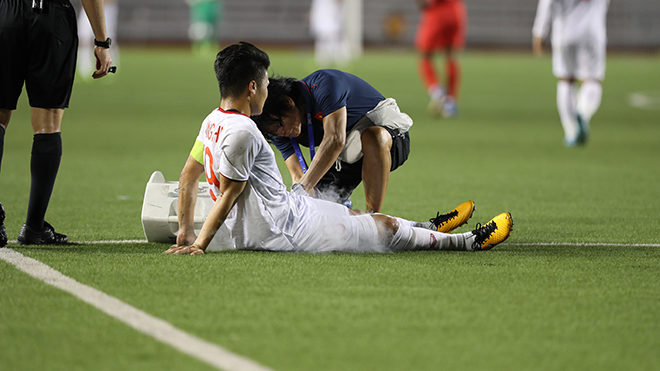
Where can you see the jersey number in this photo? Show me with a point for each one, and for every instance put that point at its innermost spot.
(208, 169)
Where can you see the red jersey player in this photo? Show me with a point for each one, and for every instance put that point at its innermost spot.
(442, 26)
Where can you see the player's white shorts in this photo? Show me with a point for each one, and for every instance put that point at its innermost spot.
(579, 61)
(333, 229)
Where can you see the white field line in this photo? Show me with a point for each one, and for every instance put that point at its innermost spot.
(97, 242)
(119, 242)
(649, 100)
(160, 330)
(582, 244)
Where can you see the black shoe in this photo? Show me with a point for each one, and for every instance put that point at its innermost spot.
(46, 236)
(3, 230)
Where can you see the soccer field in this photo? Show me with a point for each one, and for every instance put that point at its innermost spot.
(575, 287)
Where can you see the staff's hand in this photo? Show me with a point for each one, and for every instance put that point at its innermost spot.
(298, 189)
(179, 250)
(103, 62)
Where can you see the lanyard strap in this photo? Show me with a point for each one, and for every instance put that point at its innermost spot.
(312, 150)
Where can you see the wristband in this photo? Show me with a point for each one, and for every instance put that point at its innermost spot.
(103, 44)
(298, 189)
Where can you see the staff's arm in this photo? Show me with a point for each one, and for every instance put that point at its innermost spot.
(334, 140)
(294, 168)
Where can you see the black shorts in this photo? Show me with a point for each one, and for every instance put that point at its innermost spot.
(338, 185)
(38, 49)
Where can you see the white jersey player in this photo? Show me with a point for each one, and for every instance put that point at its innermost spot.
(578, 54)
(251, 199)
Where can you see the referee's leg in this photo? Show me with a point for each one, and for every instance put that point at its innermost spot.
(53, 42)
(5, 115)
(44, 162)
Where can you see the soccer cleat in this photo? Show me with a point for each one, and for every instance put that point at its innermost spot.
(449, 108)
(582, 135)
(583, 130)
(3, 230)
(496, 231)
(446, 223)
(46, 236)
(435, 106)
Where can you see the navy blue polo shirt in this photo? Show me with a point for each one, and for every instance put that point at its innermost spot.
(324, 92)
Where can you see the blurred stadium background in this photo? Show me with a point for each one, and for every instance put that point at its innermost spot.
(632, 24)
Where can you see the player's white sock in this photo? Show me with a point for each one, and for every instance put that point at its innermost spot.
(427, 225)
(588, 98)
(411, 238)
(430, 240)
(436, 92)
(566, 105)
(424, 225)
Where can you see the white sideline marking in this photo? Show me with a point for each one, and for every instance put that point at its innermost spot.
(118, 242)
(162, 331)
(97, 242)
(582, 244)
(504, 244)
(111, 242)
(649, 100)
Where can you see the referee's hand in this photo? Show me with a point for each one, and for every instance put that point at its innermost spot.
(103, 62)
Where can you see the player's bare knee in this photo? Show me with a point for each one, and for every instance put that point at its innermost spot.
(376, 138)
(387, 226)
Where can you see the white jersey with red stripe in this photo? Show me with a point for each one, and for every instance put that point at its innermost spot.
(235, 149)
(573, 21)
(266, 216)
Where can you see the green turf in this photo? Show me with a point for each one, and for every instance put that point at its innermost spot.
(518, 307)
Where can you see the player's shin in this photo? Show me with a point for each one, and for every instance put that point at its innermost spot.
(566, 102)
(589, 97)
(2, 143)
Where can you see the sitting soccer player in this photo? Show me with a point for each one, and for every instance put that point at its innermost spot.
(253, 202)
(361, 136)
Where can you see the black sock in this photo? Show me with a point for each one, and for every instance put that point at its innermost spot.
(44, 164)
(2, 143)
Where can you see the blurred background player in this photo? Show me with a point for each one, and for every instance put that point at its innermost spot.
(35, 34)
(204, 18)
(578, 54)
(361, 136)
(327, 25)
(86, 60)
(442, 26)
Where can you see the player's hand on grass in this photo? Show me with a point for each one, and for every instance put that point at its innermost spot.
(185, 238)
(180, 250)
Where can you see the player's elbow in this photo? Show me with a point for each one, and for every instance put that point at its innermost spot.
(336, 142)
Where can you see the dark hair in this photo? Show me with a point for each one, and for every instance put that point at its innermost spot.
(237, 65)
(277, 105)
